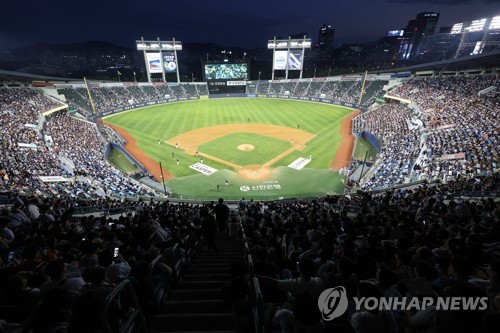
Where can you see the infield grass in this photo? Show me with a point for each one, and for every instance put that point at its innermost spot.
(226, 147)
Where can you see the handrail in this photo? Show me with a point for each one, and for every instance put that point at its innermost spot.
(258, 308)
(160, 289)
(135, 316)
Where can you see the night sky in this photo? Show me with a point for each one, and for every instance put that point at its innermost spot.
(229, 23)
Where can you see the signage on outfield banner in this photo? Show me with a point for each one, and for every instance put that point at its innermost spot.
(236, 83)
(299, 163)
(458, 156)
(445, 126)
(53, 179)
(267, 186)
(202, 168)
(27, 145)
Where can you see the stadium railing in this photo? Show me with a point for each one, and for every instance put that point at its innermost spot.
(124, 296)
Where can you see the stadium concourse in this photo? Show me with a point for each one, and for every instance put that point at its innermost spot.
(170, 267)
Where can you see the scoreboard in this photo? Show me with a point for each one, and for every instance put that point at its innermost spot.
(226, 78)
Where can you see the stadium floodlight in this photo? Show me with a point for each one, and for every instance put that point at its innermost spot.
(155, 60)
(457, 28)
(495, 23)
(476, 25)
(288, 54)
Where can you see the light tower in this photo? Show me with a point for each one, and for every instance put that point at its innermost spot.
(155, 59)
(288, 54)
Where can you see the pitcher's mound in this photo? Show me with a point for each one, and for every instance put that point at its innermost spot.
(246, 147)
(254, 172)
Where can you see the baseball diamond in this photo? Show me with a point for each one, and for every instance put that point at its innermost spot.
(246, 153)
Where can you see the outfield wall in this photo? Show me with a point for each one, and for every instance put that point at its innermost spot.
(173, 100)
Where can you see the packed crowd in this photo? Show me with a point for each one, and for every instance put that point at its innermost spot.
(399, 144)
(107, 98)
(461, 128)
(404, 243)
(19, 119)
(344, 91)
(63, 146)
(80, 143)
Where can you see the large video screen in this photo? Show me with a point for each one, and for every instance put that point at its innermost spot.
(294, 60)
(226, 71)
(169, 63)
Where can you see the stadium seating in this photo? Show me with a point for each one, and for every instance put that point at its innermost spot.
(456, 135)
(168, 282)
(55, 145)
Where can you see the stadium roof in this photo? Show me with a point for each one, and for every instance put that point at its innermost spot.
(28, 76)
(483, 60)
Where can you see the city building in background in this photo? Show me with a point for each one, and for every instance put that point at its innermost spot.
(325, 36)
(417, 29)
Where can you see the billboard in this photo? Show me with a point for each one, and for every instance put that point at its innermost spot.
(395, 33)
(154, 62)
(280, 60)
(294, 60)
(226, 71)
(169, 63)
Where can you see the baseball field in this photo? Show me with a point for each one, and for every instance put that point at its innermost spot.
(242, 147)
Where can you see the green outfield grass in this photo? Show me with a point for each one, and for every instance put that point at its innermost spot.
(162, 122)
(226, 148)
(285, 183)
(118, 159)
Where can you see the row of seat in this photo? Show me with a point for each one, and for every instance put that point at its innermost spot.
(255, 293)
(144, 299)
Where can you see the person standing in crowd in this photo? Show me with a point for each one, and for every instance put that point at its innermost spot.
(221, 211)
(209, 229)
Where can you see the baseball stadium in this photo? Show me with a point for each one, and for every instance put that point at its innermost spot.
(230, 204)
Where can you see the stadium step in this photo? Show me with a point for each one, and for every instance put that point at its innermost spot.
(206, 277)
(197, 294)
(216, 306)
(192, 285)
(194, 322)
(196, 304)
(210, 264)
(209, 270)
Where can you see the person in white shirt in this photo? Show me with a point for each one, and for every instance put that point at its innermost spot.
(33, 210)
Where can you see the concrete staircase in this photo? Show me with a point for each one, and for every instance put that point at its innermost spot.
(197, 303)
